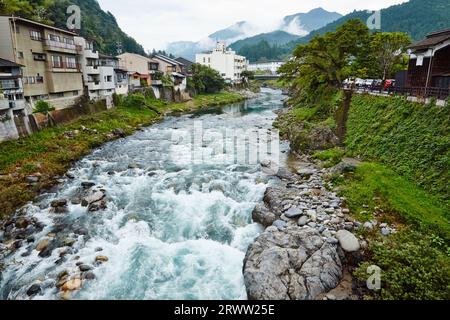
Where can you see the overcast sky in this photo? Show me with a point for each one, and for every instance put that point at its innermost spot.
(154, 23)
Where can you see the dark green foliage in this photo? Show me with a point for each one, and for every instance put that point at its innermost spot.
(417, 18)
(43, 107)
(414, 267)
(411, 137)
(263, 51)
(205, 80)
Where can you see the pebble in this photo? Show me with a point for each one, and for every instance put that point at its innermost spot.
(302, 221)
(348, 241)
(34, 290)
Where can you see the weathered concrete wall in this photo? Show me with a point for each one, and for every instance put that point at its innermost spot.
(8, 128)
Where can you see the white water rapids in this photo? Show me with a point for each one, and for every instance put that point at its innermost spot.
(172, 229)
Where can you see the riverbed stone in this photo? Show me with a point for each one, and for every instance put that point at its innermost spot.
(348, 241)
(34, 290)
(42, 245)
(262, 215)
(293, 264)
(302, 221)
(294, 212)
(72, 285)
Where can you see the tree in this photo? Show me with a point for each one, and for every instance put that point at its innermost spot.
(319, 67)
(45, 108)
(205, 80)
(388, 53)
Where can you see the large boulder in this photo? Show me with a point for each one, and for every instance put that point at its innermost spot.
(264, 216)
(291, 264)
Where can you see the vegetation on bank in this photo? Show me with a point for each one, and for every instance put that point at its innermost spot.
(49, 153)
(413, 138)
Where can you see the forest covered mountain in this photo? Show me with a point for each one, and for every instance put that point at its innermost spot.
(416, 18)
(245, 34)
(95, 23)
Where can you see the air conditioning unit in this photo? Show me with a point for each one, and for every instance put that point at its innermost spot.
(12, 104)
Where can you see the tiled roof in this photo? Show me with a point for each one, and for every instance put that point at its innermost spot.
(432, 39)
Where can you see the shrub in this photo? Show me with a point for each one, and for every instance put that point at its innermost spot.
(414, 267)
(43, 107)
(134, 100)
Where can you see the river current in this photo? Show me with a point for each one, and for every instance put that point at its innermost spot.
(173, 228)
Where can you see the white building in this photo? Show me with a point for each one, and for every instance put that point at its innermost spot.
(269, 67)
(225, 61)
(98, 71)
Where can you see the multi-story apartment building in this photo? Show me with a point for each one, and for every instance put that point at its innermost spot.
(49, 57)
(13, 115)
(225, 61)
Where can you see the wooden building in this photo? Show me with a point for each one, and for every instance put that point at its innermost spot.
(429, 66)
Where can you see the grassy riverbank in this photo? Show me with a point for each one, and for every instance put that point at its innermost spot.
(403, 181)
(35, 163)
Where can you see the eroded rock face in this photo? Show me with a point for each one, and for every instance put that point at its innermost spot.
(291, 264)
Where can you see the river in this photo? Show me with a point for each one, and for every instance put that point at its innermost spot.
(174, 227)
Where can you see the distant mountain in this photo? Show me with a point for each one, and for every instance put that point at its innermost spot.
(302, 24)
(273, 38)
(416, 18)
(289, 29)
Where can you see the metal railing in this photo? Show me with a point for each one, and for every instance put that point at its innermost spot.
(65, 65)
(420, 92)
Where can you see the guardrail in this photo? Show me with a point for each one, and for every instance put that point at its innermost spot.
(420, 92)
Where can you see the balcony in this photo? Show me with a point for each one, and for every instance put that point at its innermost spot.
(90, 53)
(93, 86)
(92, 70)
(64, 67)
(60, 46)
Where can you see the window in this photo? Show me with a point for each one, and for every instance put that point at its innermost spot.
(20, 54)
(56, 62)
(39, 56)
(39, 79)
(35, 35)
(53, 37)
(69, 41)
(71, 62)
(204, 60)
(108, 78)
(75, 93)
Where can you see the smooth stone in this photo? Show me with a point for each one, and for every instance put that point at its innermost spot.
(72, 285)
(348, 241)
(87, 184)
(293, 213)
(34, 290)
(385, 231)
(368, 226)
(58, 203)
(302, 221)
(85, 267)
(42, 245)
(101, 258)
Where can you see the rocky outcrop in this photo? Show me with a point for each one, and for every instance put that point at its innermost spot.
(302, 253)
(293, 264)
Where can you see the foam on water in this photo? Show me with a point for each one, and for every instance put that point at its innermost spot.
(173, 229)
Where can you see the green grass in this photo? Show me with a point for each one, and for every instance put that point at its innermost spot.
(373, 187)
(330, 157)
(410, 137)
(50, 153)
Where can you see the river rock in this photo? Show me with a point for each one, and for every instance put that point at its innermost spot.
(302, 221)
(89, 276)
(368, 225)
(84, 267)
(263, 216)
(294, 212)
(101, 258)
(87, 184)
(72, 285)
(385, 231)
(42, 245)
(34, 290)
(348, 241)
(293, 264)
(94, 197)
(58, 203)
